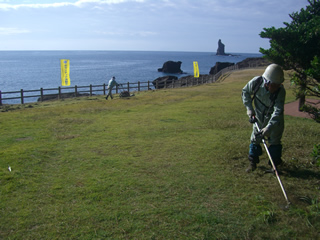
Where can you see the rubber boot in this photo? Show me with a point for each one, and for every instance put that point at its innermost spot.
(253, 163)
(251, 168)
(275, 152)
(277, 163)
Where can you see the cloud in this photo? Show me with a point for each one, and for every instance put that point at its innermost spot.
(79, 3)
(34, 5)
(140, 24)
(12, 31)
(125, 33)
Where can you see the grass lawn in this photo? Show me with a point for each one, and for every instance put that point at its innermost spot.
(165, 164)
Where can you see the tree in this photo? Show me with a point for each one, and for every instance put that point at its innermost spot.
(297, 46)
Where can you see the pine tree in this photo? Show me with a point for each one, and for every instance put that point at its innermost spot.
(297, 46)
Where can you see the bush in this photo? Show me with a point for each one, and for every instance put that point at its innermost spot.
(312, 111)
(316, 154)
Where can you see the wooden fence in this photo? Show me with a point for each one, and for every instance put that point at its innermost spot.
(76, 91)
(61, 92)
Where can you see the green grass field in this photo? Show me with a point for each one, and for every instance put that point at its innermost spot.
(167, 164)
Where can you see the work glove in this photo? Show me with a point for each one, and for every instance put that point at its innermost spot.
(264, 132)
(251, 115)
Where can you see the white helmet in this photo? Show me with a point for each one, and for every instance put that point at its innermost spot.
(274, 74)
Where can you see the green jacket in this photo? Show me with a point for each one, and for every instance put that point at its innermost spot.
(112, 83)
(272, 118)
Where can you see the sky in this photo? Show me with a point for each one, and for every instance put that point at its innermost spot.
(141, 25)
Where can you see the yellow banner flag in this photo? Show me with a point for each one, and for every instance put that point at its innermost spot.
(65, 72)
(196, 69)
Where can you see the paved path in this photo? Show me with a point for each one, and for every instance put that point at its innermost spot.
(291, 109)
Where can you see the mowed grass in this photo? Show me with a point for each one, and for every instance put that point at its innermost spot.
(167, 164)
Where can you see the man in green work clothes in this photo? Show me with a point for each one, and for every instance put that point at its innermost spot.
(268, 98)
(111, 84)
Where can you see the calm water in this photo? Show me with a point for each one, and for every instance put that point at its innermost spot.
(30, 70)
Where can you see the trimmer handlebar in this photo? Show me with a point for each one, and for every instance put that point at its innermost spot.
(253, 120)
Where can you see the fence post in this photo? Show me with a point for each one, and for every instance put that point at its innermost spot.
(104, 89)
(90, 90)
(138, 86)
(128, 87)
(76, 90)
(148, 85)
(41, 94)
(117, 88)
(59, 93)
(22, 100)
(0, 99)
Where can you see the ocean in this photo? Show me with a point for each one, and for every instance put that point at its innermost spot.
(32, 70)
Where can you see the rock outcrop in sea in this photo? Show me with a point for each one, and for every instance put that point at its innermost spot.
(219, 66)
(220, 50)
(163, 82)
(171, 67)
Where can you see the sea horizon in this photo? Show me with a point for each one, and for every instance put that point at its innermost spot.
(186, 51)
(35, 69)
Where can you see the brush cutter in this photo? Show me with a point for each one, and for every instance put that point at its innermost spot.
(254, 120)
